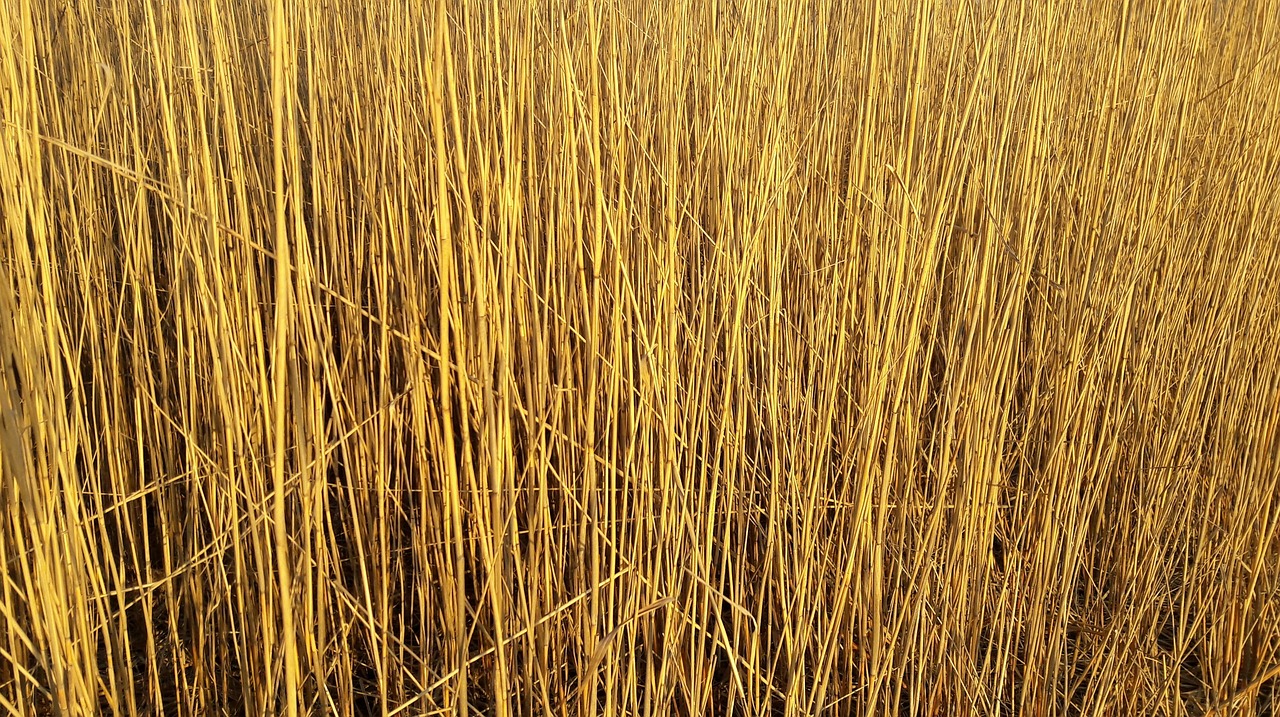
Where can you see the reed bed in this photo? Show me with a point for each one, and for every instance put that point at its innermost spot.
(640, 357)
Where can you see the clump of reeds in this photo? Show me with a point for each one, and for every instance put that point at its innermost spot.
(604, 357)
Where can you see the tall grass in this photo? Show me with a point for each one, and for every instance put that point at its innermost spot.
(644, 357)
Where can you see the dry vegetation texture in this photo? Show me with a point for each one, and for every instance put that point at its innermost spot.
(639, 357)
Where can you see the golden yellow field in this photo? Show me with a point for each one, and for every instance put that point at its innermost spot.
(640, 357)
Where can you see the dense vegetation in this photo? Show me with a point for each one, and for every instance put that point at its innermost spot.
(644, 357)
